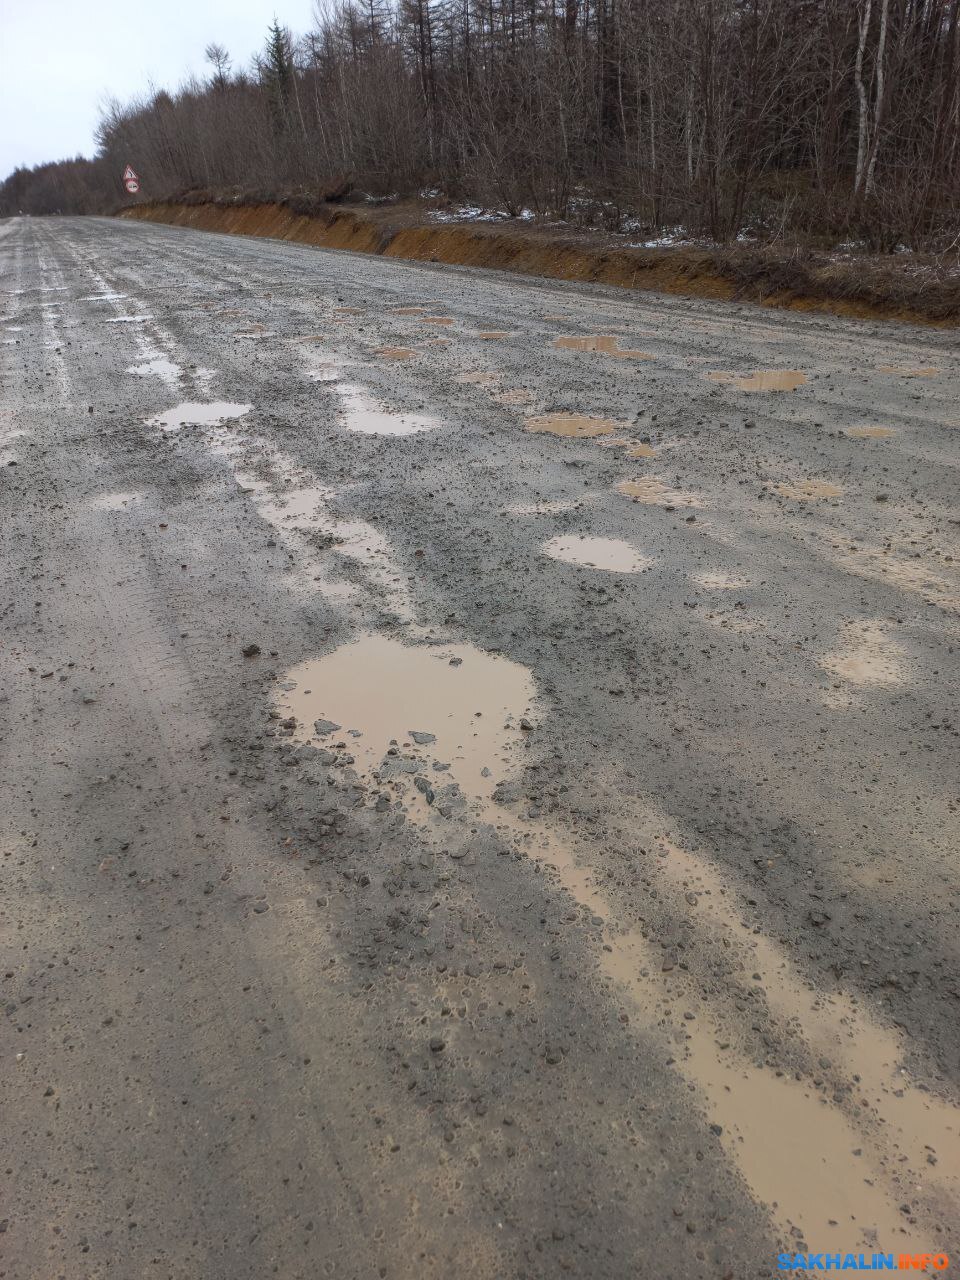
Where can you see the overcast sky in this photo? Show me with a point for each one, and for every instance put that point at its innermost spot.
(58, 58)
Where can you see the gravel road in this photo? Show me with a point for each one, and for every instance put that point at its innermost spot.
(480, 771)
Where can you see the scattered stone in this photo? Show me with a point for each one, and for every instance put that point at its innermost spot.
(250, 650)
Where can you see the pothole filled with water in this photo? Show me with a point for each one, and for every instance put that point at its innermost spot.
(454, 705)
(613, 555)
(395, 353)
(603, 342)
(198, 415)
(573, 424)
(363, 414)
(158, 367)
(761, 379)
(866, 655)
(654, 492)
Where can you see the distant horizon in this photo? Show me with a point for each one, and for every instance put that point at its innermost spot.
(60, 61)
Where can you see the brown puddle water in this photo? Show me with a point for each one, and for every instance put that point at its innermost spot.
(803, 490)
(492, 335)
(802, 1157)
(387, 691)
(761, 379)
(513, 396)
(478, 378)
(654, 492)
(436, 319)
(364, 414)
(573, 424)
(866, 655)
(198, 415)
(407, 311)
(838, 1025)
(613, 555)
(395, 353)
(605, 342)
(870, 433)
(634, 450)
(838, 1180)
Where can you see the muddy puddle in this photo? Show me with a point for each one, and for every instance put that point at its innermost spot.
(817, 1171)
(760, 379)
(157, 367)
(612, 555)
(513, 396)
(634, 450)
(606, 343)
(364, 414)
(452, 704)
(478, 378)
(408, 311)
(198, 415)
(866, 655)
(395, 353)
(573, 424)
(436, 319)
(807, 490)
(653, 492)
(870, 433)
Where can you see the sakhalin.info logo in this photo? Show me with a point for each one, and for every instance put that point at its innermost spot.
(862, 1262)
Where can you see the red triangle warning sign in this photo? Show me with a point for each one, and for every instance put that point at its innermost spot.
(129, 175)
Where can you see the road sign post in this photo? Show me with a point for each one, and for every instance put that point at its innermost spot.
(131, 181)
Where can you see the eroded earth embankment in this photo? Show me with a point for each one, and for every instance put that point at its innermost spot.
(922, 292)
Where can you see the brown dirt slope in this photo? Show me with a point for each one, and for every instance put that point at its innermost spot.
(923, 292)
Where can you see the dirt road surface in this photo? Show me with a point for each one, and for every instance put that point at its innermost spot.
(480, 771)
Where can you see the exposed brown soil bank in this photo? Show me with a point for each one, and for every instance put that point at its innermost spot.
(866, 288)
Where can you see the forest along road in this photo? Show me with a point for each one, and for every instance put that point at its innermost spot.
(480, 771)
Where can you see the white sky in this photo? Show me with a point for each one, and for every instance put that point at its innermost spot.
(59, 58)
